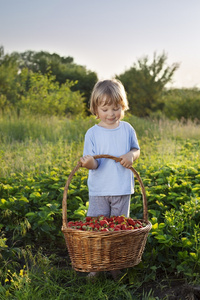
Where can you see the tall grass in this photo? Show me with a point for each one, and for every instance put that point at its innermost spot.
(165, 129)
(166, 141)
(31, 144)
(35, 144)
(42, 128)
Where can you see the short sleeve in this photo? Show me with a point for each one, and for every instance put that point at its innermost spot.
(134, 141)
(89, 147)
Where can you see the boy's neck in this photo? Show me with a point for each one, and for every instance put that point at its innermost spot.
(112, 126)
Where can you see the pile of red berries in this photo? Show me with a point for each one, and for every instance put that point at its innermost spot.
(102, 223)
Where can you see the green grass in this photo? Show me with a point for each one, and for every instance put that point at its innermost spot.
(34, 144)
(33, 147)
(43, 277)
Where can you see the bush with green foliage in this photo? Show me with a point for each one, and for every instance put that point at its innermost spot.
(182, 103)
(46, 97)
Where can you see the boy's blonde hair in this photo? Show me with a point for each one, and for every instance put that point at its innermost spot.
(108, 92)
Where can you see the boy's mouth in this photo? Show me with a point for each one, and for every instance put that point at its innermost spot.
(113, 119)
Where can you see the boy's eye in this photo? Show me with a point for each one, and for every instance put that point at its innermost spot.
(115, 109)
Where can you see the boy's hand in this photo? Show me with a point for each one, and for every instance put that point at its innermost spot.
(129, 158)
(89, 162)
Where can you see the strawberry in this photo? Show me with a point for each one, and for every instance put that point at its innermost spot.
(139, 222)
(131, 221)
(117, 229)
(112, 225)
(111, 219)
(101, 217)
(91, 225)
(124, 227)
(118, 226)
(88, 219)
(97, 227)
(104, 229)
(93, 220)
(104, 223)
(70, 224)
(84, 227)
(78, 223)
(120, 219)
(137, 225)
(130, 228)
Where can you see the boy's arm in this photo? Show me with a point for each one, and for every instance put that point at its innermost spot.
(129, 158)
(89, 162)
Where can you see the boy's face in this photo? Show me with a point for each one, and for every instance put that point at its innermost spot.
(109, 115)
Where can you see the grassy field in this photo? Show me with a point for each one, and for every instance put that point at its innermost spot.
(36, 156)
(35, 144)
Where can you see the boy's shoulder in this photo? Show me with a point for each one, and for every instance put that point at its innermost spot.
(91, 130)
(126, 124)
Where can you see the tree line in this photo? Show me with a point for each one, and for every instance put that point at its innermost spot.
(44, 83)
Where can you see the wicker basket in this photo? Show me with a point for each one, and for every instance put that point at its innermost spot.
(103, 251)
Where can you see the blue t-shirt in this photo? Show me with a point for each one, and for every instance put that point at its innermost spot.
(110, 178)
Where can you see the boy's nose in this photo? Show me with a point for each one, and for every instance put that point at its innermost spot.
(111, 113)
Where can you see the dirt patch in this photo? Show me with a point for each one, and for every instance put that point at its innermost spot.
(175, 290)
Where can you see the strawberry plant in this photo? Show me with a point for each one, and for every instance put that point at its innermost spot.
(175, 242)
(34, 172)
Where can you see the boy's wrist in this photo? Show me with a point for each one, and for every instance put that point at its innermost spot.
(89, 162)
(93, 164)
(135, 153)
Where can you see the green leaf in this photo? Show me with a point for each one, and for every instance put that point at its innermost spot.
(183, 254)
(161, 225)
(186, 242)
(30, 214)
(24, 199)
(194, 256)
(35, 195)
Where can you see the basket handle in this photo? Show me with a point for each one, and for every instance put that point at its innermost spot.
(117, 159)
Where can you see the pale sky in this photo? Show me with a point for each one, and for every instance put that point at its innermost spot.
(107, 36)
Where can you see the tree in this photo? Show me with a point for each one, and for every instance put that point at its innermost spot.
(40, 61)
(63, 68)
(8, 81)
(145, 83)
(46, 97)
